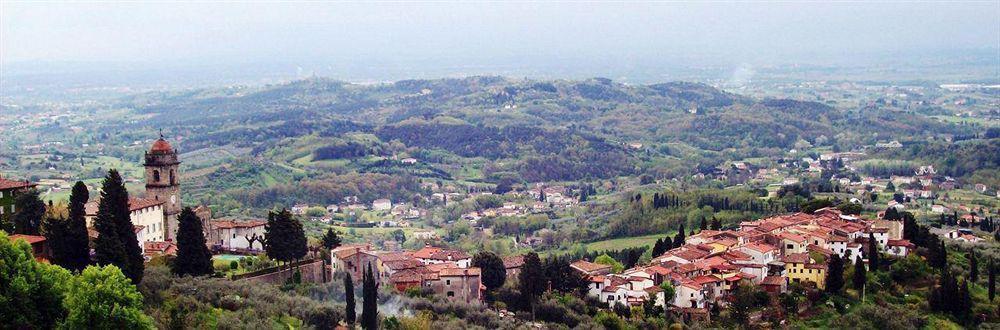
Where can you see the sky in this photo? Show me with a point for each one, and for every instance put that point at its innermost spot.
(426, 38)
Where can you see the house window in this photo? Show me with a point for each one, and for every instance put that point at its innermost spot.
(156, 176)
(172, 177)
(790, 247)
(451, 293)
(447, 282)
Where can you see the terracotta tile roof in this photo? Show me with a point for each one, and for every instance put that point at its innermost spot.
(596, 279)
(589, 267)
(772, 280)
(397, 265)
(407, 276)
(230, 224)
(31, 239)
(448, 255)
(705, 279)
(513, 261)
(426, 252)
(900, 242)
(167, 248)
(798, 258)
(760, 247)
(471, 271)
(658, 270)
(134, 204)
(13, 184)
(690, 254)
(437, 268)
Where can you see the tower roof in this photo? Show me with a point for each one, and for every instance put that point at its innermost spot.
(161, 146)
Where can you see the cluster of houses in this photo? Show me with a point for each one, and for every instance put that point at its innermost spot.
(443, 271)
(401, 214)
(770, 253)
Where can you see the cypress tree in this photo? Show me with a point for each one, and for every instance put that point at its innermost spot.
(679, 239)
(860, 274)
(704, 223)
(193, 257)
(973, 267)
(29, 210)
(716, 224)
(77, 238)
(349, 314)
(116, 243)
(532, 277)
(992, 280)
(873, 253)
(964, 305)
(835, 274)
(369, 307)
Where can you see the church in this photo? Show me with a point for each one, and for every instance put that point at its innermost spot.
(155, 216)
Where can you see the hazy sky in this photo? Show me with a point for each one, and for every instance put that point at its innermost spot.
(490, 33)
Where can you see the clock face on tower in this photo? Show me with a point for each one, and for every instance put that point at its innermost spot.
(173, 199)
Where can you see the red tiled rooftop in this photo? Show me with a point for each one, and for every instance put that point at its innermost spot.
(14, 184)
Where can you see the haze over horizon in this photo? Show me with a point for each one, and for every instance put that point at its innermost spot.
(383, 41)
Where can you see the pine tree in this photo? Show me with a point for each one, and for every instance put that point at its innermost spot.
(193, 257)
(835, 274)
(973, 267)
(116, 243)
(29, 210)
(77, 238)
(331, 239)
(873, 253)
(369, 307)
(285, 240)
(860, 274)
(349, 314)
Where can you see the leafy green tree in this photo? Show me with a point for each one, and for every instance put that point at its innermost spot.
(741, 305)
(604, 259)
(860, 274)
(116, 243)
(349, 314)
(492, 269)
(835, 274)
(369, 307)
(669, 292)
(31, 293)
(399, 235)
(193, 257)
(103, 298)
(331, 239)
(28, 212)
(285, 239)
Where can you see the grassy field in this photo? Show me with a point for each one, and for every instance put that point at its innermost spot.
(624, 243)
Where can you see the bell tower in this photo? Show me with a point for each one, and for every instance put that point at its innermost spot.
(163, 182)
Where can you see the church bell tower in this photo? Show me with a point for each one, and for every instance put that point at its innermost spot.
(163, 182)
